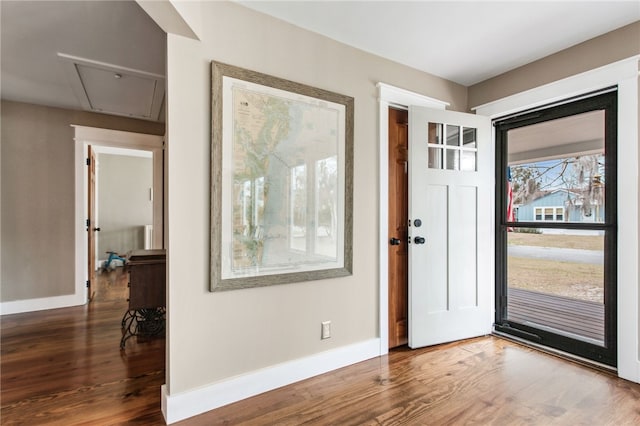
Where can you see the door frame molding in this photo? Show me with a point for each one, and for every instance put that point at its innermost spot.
(85, 136)
(390, 96)
(623, 74)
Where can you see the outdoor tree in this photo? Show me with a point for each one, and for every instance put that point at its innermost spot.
(582, 176)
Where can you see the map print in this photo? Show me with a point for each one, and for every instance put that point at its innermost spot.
(286, 199)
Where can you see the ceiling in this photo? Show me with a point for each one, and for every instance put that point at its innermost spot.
(99, 56)
(466, 42)
(575, 135)
(109, 56)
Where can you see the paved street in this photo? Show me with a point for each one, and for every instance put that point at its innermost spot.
(560, 254)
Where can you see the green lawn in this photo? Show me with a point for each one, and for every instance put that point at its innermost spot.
(577, 280)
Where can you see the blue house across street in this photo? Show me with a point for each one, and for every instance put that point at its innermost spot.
(561, 205)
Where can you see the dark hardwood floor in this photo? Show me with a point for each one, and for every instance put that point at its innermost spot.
(65, 367)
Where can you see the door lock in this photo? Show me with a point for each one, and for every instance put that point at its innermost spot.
(419, 240)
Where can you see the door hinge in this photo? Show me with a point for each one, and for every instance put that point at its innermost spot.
(88, 222)
(88, 282)
(88, 161)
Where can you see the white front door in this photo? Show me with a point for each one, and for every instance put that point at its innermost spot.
(451, 181)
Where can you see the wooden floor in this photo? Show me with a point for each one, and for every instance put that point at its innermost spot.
(480, 381)
(64, 367)
(563, 314)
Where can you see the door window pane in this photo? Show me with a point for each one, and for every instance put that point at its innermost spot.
(468, 161)
(557, 169)
(453, 159)
(555, 281)
(453, 135)
(458, 153)
(435, 158)
(469, 137)
(435, 133)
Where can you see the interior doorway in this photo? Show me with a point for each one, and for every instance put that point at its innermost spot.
(120, 215)
(398, 227)
(439, 239)
(118, 142)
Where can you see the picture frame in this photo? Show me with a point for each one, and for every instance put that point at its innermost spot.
(281, 181)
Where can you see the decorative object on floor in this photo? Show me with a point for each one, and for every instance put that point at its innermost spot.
(147, 295)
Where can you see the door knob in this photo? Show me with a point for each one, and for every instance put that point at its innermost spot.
(96, 229)
(419, 240)
(394, 242)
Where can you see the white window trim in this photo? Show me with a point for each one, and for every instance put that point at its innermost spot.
(555, 213)
(624, 74)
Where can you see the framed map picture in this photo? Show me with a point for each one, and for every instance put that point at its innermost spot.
(281, 181)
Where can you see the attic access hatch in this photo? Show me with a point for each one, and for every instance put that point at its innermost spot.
(111, 89)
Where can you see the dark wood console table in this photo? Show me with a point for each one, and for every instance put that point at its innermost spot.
(147, 294)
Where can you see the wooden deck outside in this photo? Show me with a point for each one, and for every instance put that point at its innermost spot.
(576, 318)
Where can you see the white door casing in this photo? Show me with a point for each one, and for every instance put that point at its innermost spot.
(623, 74)
(451, 273)
(390, 96)
(115, 139)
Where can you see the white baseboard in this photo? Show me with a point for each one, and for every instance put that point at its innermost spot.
(30, 305)
(188, 404)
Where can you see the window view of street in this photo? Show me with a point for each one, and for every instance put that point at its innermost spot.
(564, 265)
(556, 283)
(555, 274)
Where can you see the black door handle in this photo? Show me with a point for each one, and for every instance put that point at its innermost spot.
(419, 240)
(394, 242)
(96, 229)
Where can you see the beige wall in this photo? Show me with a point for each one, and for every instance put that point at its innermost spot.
(605, 49)
(124, 202)
(215, 336)
(37, 175)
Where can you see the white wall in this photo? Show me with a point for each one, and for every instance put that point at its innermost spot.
(215, 338)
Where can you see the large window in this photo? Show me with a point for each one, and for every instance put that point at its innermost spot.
(556, 227)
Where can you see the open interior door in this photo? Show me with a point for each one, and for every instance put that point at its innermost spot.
(91, 221)
(451, 179)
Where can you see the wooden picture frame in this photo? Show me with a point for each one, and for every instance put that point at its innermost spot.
(281, 181)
